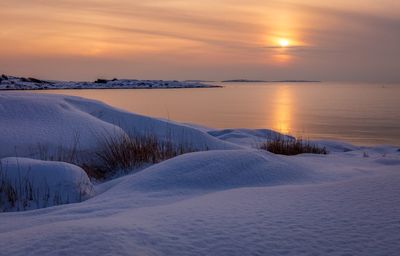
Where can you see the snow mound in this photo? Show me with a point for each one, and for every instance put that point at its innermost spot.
(335, 146)
(30, 184)
(216, 170)
(137, 124)
(353, 217)
(29, 122)
(247, 137)
(32, 121)
(254, 138)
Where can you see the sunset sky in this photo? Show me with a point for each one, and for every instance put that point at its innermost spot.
(356, 40)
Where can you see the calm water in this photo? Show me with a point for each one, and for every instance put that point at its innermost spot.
(366, 114)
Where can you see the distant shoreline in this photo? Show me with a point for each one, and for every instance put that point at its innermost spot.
(11, 83)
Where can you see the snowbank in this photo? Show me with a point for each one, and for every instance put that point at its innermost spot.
(218, 170)
(33, 124)
(31, 184)
(248, 137)
(181, 134)
(199, 173)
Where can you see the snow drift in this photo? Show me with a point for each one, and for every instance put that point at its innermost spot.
(235, 211)
(33, 124)
(218, 170)
(248, 137)
(31, 184)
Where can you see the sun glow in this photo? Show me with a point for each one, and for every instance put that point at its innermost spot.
(283, 42)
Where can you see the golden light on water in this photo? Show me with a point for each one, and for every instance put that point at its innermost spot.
(282, 118)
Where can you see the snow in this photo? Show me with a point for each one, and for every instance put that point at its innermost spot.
(33, 123)
(137, 124)
(29, 121)
(248, 137)
(231, 200)
(38, 184)
(216, 170)
(21, 83)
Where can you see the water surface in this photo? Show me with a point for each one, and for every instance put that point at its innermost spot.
(364, 114)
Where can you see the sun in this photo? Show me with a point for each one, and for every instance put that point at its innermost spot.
(283, 42)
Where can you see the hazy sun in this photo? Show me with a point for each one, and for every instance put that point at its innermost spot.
(283, 42)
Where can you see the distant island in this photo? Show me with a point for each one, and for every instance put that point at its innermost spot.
(199, 81)
(30, 83)
(267, 81)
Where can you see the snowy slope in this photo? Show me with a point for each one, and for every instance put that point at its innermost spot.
(31, 121)
(28, 121)
(247, 137)
(240, 201)
(258, 206)
(138, 124)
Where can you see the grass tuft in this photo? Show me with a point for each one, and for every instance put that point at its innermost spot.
(114, 154)
(126, 153)
(22, 193)
(288, 146)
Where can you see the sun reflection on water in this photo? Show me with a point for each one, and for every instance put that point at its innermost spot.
(283, 110)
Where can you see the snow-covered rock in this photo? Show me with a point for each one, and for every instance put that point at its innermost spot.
(32, 184)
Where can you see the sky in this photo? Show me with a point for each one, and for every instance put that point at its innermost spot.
(339, 40)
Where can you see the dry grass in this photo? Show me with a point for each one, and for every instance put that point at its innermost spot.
(127, 153)
(114, 154)
(23, 193)
(18, 194)
(285, 146)
(70, 154)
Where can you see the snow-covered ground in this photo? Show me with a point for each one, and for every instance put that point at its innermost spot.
(231, 199)
(22, 83)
